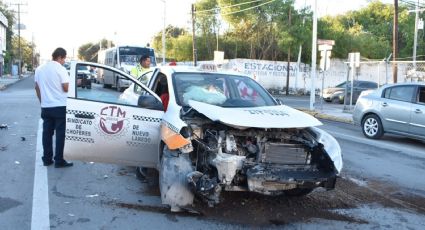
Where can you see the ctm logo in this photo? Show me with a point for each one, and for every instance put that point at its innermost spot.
(112, 119)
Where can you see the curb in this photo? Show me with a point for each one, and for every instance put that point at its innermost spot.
(3, 86)
(326, 116)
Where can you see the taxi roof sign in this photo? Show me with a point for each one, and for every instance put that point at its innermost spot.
(208, 67)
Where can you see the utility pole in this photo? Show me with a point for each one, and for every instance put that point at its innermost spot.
(395, 41)
(19, 42)
(313, 58)
(163, 37)
(415, 40)
(32, 52)
(289, 57)
(194, 36)
(19, 38)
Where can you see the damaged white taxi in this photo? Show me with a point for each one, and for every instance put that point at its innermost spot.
(206, 132)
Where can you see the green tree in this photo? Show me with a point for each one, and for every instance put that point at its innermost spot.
(88, 51)
(27, 49)
(171, 35)
(369, 31)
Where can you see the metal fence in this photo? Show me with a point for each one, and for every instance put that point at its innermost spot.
(380, 72)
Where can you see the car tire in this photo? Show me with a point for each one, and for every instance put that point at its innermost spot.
(335, 100)
(298, 191)
(372, 127)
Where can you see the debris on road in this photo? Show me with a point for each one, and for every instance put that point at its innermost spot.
(4, 126)
(91, 196)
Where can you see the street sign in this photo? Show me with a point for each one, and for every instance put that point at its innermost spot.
(325, 60)
(420, 24)
(354, 59)
(218, 57)
(325, 42)
(325, 47)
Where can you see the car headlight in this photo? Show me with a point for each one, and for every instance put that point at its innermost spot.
(331, 147)
(339, 93)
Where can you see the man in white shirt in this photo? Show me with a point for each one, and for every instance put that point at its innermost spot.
(51, 86)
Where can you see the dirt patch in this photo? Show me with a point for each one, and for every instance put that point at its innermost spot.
(253, 209)
(256, 209)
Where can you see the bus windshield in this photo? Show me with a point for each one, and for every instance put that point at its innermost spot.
(131, 55)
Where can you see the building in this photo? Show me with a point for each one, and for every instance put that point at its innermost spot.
(3, 27)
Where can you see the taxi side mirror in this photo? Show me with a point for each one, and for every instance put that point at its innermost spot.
(150, 102)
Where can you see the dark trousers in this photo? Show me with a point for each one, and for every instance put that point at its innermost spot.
(53, 122)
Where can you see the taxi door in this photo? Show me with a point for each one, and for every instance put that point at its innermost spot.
(104, 125)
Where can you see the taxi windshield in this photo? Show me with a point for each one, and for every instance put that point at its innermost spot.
(220, 89)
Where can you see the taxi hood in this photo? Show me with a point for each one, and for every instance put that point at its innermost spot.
(278, 116)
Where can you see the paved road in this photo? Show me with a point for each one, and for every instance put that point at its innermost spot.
(380, 187)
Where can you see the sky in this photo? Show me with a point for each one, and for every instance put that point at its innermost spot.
(71, 23)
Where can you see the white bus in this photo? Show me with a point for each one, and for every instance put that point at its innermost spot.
(123, 58)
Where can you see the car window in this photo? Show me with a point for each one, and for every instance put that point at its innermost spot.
(88, 89)
(421, 95)
(341, 85)
(400, 93)
(220, 89)
(368, 85)
(372, 85)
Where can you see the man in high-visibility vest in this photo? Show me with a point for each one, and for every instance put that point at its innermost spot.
(142, 67)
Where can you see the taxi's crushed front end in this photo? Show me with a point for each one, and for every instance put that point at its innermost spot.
(270, 161)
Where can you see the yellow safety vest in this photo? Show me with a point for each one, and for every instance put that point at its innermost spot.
(138, 71)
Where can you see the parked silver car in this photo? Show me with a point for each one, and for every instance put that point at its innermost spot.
(397, 108)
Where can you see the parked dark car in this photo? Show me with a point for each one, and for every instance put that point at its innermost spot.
(85, 77)
(397, 108)
(337, 93)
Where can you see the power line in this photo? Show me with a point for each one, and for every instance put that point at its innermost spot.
(412, 3)
(249, 8)
(229, 6)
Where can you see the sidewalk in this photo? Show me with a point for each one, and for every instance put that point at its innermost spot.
(7, 80)
(330, 113)
(324, 110)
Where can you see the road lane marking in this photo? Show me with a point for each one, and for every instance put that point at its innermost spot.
(40, 218)
(379, 143)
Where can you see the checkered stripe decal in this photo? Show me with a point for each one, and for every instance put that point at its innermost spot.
(136, 144)
(148, 119)
(172, 127)
(80, 139)
(68, 111)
